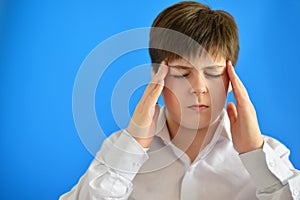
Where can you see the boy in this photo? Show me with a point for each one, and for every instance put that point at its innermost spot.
(192, 148)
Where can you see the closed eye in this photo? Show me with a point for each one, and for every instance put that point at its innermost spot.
(212, 75)
(181, 76)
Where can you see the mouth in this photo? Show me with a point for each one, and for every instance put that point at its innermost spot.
(198, 107)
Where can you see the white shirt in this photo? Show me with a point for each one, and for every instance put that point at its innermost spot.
(123, 169)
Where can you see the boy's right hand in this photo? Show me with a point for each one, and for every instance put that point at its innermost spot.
(142, 125)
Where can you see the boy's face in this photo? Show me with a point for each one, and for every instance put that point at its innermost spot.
(195, 94)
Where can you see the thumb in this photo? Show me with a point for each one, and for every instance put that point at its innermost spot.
(154, 119)
(156, 113)
(232, 113)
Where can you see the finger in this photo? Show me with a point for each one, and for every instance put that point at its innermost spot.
(232, 113)
(156, 113)
(151, 97)
(154, 118)
(155, 87)
(140, 131)
(239, 90)
(160, 74)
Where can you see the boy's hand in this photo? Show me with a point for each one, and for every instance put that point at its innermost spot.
(143, 122)
(245, 130)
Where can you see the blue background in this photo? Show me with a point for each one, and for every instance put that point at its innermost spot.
(43, 43)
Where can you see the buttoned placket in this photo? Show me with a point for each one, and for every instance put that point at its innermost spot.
(190, 166)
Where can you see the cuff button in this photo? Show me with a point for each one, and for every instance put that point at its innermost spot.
(295, 192)
(271, 163)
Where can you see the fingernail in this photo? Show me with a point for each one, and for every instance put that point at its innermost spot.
(164, 68)
(229, 62)
(161, 67)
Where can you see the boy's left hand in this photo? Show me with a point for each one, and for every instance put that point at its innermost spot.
(245, 130)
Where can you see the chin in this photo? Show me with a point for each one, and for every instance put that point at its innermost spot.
(194, 122)
(195, 126)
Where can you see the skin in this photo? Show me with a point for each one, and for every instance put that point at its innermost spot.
(189, 85)
(245, 130)
(192, 129)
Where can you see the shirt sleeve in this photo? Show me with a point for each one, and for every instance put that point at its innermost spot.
(272, 172)
(111, 173)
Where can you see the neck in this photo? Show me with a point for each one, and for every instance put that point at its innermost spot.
(191, 141)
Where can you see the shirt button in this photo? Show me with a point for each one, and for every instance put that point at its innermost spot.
(190, 169)
(136, 164)
(295, 192)
(272, 163)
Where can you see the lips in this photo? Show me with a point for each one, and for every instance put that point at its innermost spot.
(198, 107)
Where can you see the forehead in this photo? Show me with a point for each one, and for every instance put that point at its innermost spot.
(198, 62)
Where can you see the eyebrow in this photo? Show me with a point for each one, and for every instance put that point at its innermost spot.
(214, 66)
(206, 67)
(180, 66)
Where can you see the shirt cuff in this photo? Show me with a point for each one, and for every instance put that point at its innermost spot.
(126, 155)
(266, 167)
(294, 184)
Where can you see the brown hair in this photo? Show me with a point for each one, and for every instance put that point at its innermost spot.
(214, 30)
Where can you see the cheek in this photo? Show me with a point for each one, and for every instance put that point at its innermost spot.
(178, 87)
(218, 94)
(174, 93)
(169, 97)
(225, 79)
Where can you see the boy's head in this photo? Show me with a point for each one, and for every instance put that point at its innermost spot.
(214, 30)
(197, 83)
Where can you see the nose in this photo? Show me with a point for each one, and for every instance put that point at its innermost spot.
(198, 85)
